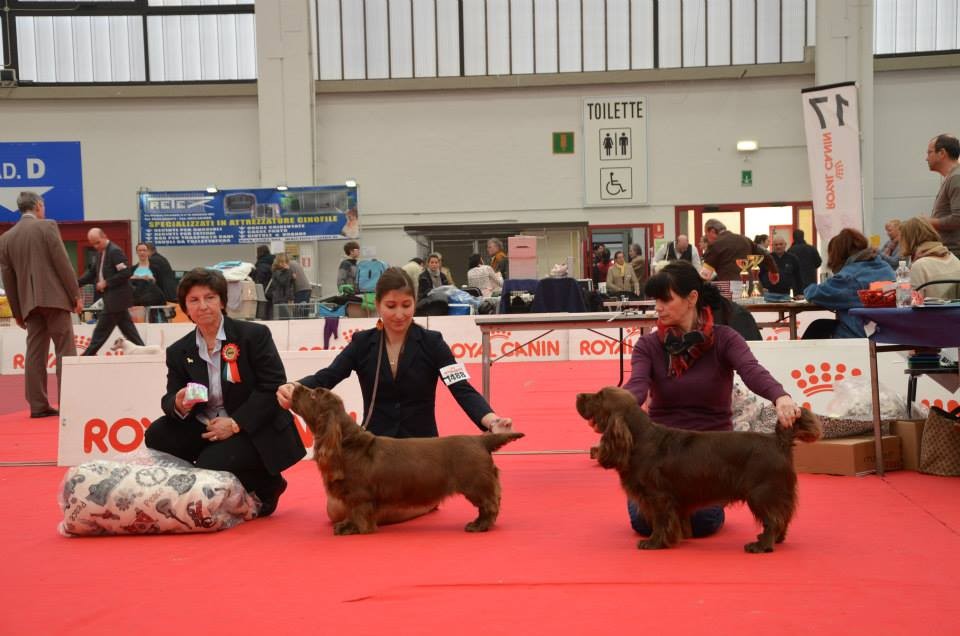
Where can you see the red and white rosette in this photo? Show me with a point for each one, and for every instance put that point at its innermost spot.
(230, 355)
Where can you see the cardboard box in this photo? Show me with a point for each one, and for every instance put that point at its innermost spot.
(846, 456)
(910, 433)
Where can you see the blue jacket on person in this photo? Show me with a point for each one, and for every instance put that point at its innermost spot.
(839, 292)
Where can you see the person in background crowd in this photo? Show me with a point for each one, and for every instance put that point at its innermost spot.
(280, 290)
(163, 272)
(481, 276)
(932, 261)
(445, 270)
(41, 287)
(704, 244)
(112, 278)
(891, 249)
(431, 277)
(263, 268)
(854, 265)
(762, 241)
(620, 278)
(347, 271)
(414, 268)
(398, 364)
(498, 258)
(809, 259)
(680, 249)
(601, 264)
(239, 428)
(943, 156)
(726, 248)
(789, 267)
(301, 284)
(146, 292)
(636, 260)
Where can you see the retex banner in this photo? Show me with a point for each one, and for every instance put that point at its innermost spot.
(253, 215)
(831, 122)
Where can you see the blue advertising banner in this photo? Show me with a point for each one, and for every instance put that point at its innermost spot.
(52, 169)
(254, 215)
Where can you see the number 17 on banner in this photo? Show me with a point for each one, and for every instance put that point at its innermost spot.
(831, 123)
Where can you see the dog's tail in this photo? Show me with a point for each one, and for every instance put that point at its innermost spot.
(806, 429)
(493, 441)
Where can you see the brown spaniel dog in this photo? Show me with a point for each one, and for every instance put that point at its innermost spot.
(370, 475)
(672, 472)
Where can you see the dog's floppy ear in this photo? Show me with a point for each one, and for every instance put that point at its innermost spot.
(616, 443)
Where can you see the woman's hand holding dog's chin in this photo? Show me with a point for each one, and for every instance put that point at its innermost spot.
(787, 410)
(496, 424)
(285, 394)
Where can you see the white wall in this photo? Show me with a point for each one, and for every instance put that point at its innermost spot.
(912, 107)
(475, 156)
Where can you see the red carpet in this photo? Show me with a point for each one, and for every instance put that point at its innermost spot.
(864, 555)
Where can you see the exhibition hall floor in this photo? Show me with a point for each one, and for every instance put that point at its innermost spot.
(863, 555)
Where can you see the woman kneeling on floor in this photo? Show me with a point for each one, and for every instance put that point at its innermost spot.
(238, 426)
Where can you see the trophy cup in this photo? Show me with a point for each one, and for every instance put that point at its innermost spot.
(744, 265)
(754, 262)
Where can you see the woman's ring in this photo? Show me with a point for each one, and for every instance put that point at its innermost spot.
(214, 438)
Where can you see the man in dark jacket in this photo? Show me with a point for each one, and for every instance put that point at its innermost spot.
(112, 278)
(809, 259)
(789, 268)
(726, 247)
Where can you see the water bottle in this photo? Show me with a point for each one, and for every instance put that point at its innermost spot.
(904, 290)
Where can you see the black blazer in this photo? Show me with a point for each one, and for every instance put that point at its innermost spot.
(405, 406)
(118, 295)
(425, 283)
(163, 273)
(252, 402)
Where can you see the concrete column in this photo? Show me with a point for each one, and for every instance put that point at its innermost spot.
(844, 53)
(285, 92)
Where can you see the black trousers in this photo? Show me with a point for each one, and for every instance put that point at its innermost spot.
(236, 454)
(105, 325)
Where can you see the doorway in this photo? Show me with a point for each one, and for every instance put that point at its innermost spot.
(619, 238)
(750, 219)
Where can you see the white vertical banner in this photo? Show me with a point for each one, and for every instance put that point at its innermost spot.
(831, 122)
(615, 150)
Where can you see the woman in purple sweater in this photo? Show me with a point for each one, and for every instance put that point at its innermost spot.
(686, 368)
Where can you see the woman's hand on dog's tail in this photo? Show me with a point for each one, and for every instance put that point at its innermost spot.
(787, 410)
(496, 424)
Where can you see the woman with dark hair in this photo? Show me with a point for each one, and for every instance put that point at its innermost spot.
(398, 364)
(237, 426)
(146, 292)
(483, 277)
(691, 355)
(854, 265)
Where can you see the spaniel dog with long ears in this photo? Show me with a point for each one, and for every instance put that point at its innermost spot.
(672, 472)
(370, 475)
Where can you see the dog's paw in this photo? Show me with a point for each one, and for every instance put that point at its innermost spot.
(345, 527)
(650, 544)
(757, 548)
(477, 526)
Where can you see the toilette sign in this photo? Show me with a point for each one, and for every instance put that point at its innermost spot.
(615, 159)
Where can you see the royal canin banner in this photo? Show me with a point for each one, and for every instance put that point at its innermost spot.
(831, 122)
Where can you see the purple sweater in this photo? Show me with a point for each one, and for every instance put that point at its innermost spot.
(699, 399)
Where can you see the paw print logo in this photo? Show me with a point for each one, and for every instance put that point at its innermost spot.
(632, 332)
(502, 334)
(951, 404)
(348, 334)
(777, 332)
(81, 342)
(813, 379)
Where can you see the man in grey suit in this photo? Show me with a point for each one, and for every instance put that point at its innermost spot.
(112, 276)
(41, 286)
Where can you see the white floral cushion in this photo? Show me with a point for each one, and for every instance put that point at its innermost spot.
(155, 493)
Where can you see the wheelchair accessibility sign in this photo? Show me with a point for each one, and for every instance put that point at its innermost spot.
(615, 161)
(616, 183)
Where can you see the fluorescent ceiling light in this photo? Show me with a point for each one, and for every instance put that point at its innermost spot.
(212, 190)
(281, 188)
(350, 183)
(747, 145)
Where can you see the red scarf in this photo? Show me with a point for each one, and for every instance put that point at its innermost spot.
(683, 349)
